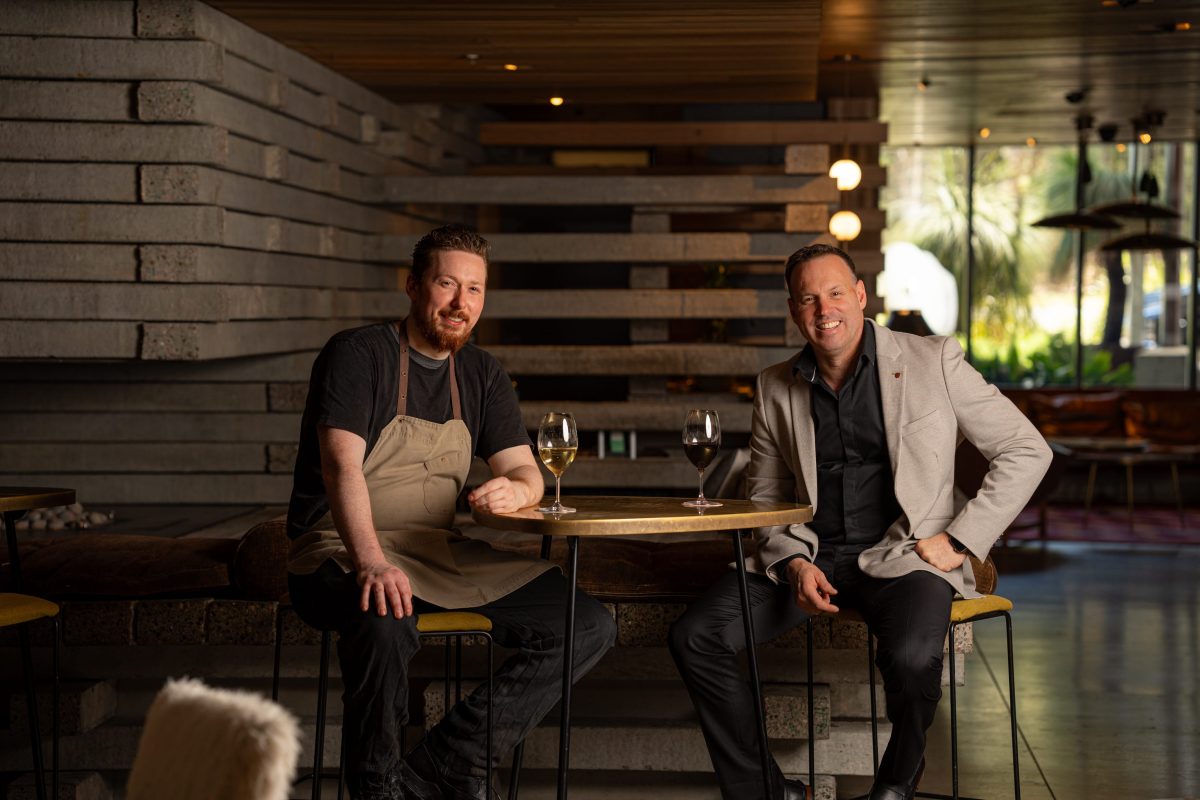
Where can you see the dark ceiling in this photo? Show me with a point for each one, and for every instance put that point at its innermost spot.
(1004, 64)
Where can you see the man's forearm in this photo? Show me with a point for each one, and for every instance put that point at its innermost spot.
(350, 505)
(527, 480)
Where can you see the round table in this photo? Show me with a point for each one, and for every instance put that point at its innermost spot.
(14, 502)
(597, 517)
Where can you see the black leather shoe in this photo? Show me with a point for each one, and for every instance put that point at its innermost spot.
(433, 775)
(796, 790)
(887, 791)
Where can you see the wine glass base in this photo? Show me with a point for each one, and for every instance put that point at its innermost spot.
(556, 508)
(705, 503)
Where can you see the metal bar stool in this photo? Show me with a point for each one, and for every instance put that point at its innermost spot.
(449, 624)
(961, 612)
(21, 610)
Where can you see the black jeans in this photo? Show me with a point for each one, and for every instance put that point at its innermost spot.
(374, 653)
(908, 615)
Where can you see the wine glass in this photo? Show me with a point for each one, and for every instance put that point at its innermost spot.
(557, 443)
(701, 439)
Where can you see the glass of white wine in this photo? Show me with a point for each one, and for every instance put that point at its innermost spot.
(701, 440)
(558, 442)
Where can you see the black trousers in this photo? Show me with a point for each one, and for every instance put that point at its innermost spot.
(908, 615)
(374, 653)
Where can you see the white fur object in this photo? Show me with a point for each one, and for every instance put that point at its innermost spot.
(202, 743)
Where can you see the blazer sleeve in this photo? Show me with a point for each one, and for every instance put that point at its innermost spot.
(771, 479)
(1017, 453)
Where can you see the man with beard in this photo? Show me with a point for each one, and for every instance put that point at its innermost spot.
(395, 413)
(863, 424)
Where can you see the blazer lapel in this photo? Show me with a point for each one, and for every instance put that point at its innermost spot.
(892, 379)
(806, 447)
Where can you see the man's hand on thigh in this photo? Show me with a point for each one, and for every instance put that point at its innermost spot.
(812, 589)
(938, 552)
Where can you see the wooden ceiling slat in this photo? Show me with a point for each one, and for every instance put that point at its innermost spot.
(1005, 63)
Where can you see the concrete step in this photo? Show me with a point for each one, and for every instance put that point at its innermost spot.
(666, 702)
(541, 784)
(681, 748)
(82, 706)
(71, 786)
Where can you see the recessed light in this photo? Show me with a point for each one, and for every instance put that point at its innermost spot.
(1144, 137)
(985, 133)
(1031, 142)
(556, 101)
(511, 67)
(1121, 147)
(1183, 26)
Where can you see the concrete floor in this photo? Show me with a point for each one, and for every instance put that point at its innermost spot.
(1107, 642)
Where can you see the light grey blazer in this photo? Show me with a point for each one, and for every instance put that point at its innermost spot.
(932, 398)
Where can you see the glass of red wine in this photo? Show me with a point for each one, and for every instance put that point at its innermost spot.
(701, 440)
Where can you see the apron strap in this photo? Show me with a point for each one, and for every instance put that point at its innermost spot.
(402, 394)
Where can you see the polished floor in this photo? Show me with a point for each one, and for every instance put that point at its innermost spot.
(1107, 641)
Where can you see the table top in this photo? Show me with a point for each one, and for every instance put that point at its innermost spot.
(1106, 444)
(26, 498)
(632, 516)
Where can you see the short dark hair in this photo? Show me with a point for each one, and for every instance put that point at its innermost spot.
(447, 237)
(812, 252)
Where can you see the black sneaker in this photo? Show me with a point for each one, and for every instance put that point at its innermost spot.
(427, 768)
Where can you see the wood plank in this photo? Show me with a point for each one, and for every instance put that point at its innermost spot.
(641, 359)
(636, 304)
(68, 339)
(203, 264)
(68, 262)
(179, 183)
(173, 395)
(276, 163)
(161, 301)
(68, 18)
(253, 370)
(168, 19)
(611, 190)
(101, 489)
(593, 473)
(204, 341)
(133, 458)
(110, 59)
(648, 415)
(649, 134)
(37, 180)
(185, 101)
(150, 426)
(114, 142)
(61, 100)
(644, 248)
(89, 222)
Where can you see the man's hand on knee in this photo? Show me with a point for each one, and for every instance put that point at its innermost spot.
(384, 585)
(812, 589)
(938, 552)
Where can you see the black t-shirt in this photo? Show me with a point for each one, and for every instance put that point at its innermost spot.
(354, 387)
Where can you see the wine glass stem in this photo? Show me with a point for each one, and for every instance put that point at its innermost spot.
(701, 497)
(557, 492)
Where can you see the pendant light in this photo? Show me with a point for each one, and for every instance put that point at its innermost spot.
(845, 170)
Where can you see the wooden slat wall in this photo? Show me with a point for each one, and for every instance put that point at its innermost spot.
(187, 211)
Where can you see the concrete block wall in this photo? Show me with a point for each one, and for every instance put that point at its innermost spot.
(188, 209)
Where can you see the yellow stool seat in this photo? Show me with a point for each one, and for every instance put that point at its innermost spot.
(17, 609)
(451, 621)
(966, 610)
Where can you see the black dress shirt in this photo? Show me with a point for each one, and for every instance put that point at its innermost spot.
(856, 496)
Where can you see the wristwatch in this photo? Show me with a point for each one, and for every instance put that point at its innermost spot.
(958, 546)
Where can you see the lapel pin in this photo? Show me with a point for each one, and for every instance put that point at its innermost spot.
(896, 374)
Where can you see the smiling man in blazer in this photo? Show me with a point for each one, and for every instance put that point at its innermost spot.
(862, 424)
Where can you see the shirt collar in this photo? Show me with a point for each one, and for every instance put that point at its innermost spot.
(806, 364)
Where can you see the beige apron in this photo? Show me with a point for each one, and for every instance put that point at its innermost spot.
(414, 475)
